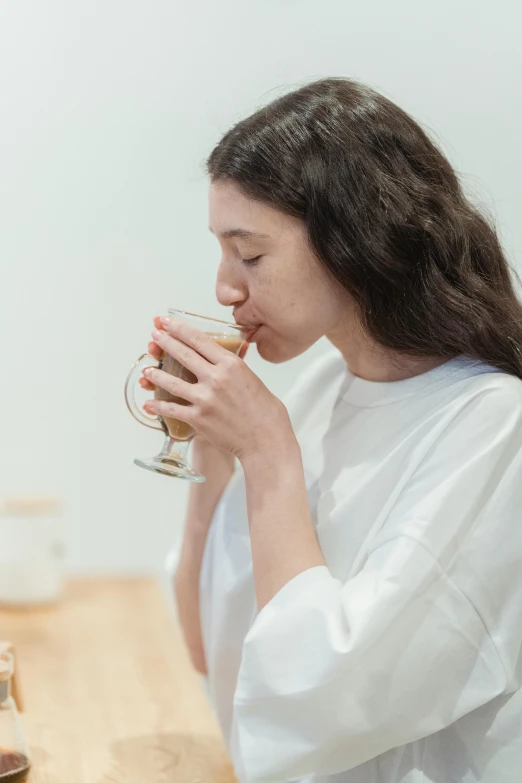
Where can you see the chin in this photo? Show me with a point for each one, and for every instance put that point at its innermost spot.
(277, 354)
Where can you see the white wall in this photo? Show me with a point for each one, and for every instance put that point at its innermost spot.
(107, 111)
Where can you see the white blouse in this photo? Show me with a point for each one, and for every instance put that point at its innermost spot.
(401, 659)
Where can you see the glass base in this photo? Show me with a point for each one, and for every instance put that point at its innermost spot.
(172, 461)
(170, 466)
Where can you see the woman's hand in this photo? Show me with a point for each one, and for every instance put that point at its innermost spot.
(205, 455)
(157, 353)
(230, 406)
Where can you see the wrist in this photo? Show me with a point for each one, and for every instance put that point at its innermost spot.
(282, 447)
(205, 454)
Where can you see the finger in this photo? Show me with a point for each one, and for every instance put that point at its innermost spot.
(147, 385)
(199, 341)
(171, 410)
(155, 351)
(170, 383)
(185, 355)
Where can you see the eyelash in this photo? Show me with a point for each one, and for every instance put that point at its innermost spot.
(251, 261)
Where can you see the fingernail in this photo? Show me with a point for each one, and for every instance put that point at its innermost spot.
(157, 334)
(165, 320)
(149, 407)
(147, 371)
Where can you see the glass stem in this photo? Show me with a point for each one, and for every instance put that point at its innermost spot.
(175, 450)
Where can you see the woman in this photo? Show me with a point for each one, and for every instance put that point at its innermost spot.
(354, 588)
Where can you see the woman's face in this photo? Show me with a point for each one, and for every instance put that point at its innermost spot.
(285, 291)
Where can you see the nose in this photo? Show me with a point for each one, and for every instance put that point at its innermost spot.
(230, 290)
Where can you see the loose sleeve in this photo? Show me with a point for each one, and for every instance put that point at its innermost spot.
(335, 674)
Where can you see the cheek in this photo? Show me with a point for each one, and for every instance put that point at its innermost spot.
(286, 300)
(282, 291)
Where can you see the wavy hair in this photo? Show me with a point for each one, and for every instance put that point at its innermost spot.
(385, 215)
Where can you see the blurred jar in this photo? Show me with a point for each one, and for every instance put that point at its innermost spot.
(31, 550)
(14, 756)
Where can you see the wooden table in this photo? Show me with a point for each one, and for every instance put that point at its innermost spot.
(109, 692)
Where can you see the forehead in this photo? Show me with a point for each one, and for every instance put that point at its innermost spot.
(232, 214)
(230, 209)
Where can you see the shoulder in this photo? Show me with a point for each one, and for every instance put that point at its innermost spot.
(495, 394)
(466, 390)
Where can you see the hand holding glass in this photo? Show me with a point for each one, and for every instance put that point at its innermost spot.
(172, 459)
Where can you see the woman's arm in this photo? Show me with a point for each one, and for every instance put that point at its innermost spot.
(218, 468)
(281, 529)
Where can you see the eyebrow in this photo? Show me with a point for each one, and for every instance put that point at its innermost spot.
(241, 233)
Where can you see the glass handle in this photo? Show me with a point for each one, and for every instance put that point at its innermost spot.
(130, 394)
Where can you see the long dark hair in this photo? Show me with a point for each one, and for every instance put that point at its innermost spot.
(385, 215)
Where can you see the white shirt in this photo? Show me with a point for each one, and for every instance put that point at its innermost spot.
(401, 659)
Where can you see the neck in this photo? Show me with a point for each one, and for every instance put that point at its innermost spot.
(368, 360)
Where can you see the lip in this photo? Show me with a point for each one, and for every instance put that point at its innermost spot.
(246, 325)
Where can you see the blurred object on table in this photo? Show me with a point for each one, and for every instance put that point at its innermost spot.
(14, 756)
(31, 550)
(8, 647)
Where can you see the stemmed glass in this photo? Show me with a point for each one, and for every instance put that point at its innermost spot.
(172, 459)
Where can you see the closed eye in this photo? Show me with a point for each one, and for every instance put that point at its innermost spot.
(251, 261)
